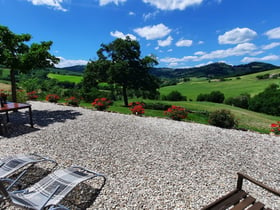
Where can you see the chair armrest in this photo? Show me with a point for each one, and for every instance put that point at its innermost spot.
(244, 176)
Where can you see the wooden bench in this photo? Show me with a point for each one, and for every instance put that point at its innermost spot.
(239, 199)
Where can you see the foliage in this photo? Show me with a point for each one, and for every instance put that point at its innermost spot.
(72, 101)
(52, 98)
(119, 63)
(137, 108)
(241, 101)
(267, 101)
(174, 96)
(32, 95)
(176, 113)
(275, 128)
(223, 119)
(101, 104)
(214, 96)
(20, 94)
(17, 55)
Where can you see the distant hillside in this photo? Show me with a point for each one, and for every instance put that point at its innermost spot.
(214, 70)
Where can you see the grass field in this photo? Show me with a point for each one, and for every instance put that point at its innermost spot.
(234, 87)
(62, 78)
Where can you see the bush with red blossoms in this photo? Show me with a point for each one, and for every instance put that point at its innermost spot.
(275, 128)
(101, 104)
(52, 98)
(32, 95)
(137, 108)
(72, 101)
(176, 113)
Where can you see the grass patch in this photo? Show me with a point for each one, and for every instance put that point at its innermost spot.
(68, 78)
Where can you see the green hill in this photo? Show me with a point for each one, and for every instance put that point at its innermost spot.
(231, 87)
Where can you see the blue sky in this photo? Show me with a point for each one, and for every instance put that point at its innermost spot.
(180, 33)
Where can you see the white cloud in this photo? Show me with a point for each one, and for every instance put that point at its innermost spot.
(265, 58)
(121, 35)
(273, 33)
(271, 45)
(184, 43)
(173, 4)
(237, 36)
(166, 42)
(239, 50)
(131, 13)
(56, 4)
(153, 32)
(150, 15)
(66, 63)
(105, 2)
(201, 42)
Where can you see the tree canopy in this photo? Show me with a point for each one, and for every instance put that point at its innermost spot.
(17, 55)
(120, 63)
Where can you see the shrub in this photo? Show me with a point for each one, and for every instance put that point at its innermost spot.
(223, 119)
(241, 101)
(32, 95)
(137, 108)
(275, 128)
(52, 98)
(21, 96)
(176, 113)
(101, 104)
(72, 101)
(214, 96)
(175, 96)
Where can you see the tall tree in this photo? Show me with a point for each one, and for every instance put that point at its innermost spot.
(124, 66)
(16, 55)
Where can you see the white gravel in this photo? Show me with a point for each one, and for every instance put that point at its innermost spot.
(150, 163)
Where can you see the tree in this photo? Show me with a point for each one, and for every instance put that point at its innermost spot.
(16, 55)
(119, 63)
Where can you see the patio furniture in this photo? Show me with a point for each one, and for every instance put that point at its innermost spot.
(50, 190)
(239, 199)
(12, 164)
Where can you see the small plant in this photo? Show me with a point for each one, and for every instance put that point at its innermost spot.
(101, 104)
(275, 128)
(52, 98)
(223, 119)
(137, 108)
(32, 95)
(72, 101)
(176, 113)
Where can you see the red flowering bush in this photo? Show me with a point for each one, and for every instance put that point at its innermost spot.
(72, 101)
(101, 104)
(3, 94)
(137, 108)
(176, 113)
(52, 98)
(32, 95)
(275, 128)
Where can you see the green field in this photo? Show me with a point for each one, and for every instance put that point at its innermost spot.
(233, 87)
(63, 78)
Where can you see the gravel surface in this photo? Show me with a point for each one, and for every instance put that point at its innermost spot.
(150, 163)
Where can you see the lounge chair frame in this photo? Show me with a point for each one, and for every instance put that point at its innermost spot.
(50, 190)
(239, 199)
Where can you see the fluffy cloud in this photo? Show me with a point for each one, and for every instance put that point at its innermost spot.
(153, 32)
(184, 43)
(173, 4)
(237, 36)
(56, 4)
(65, 63)
(271, 45)
(150, 15)
(121, 35)
(273, 33)
(104, 2)
(265, 58)
(239, 50)
(164, 43)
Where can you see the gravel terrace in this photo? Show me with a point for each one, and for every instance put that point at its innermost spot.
(150, 163)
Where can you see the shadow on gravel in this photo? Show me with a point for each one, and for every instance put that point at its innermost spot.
(20, 124)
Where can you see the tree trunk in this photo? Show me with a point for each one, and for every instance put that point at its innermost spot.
(13, 85)
(125, 95)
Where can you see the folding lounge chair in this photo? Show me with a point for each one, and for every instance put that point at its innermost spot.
(13, 164)
(239, 199)
(50, 190)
